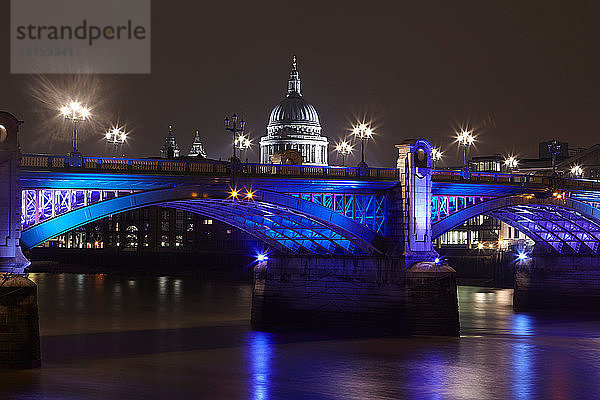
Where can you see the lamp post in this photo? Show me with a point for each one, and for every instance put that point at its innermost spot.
(364, 133)
(344, 149)
(436, 155)
(242, 143)
(75, 112)
(466, 139)
(115, 137)
(511, 163)
(234, 126)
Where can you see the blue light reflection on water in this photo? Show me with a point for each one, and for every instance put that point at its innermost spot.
(523, 357)
(259, 348)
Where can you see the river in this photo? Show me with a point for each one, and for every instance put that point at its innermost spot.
(110, 337)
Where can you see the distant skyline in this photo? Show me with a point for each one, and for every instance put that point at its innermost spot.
(521, 71)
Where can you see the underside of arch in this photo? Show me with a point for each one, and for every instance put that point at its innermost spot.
(287, 223)
(565, 226)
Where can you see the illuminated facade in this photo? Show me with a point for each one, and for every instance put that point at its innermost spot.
(170, 149)
(294, 125)
(197, 149)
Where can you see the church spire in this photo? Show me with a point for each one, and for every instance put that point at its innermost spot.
(170, 149)
(197, 149)
(294, 82)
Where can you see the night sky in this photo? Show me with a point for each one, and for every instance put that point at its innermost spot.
(519, 72)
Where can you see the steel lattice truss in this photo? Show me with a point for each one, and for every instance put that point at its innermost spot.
(366, 209)
(444, 206)
(565, 230)
(38, 205)
(282, 228)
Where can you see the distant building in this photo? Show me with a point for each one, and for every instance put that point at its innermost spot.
(197, 149)
(294, 125)
(586, 158)
(170, 149)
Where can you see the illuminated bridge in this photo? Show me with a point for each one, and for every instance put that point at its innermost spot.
(352, 246)
(301, 209)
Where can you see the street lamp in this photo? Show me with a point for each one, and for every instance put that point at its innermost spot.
(436, 155)
(242, 143)
(75, 112)
(576, 171)
(344, 149)
(364, 133)
(466, 139)
(511, 162)
(234, 126)
(115, 137)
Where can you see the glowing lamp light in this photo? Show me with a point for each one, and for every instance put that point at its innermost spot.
(465, 138)
(234, 193)
(437, 260)
(511, 162)
(75, 111)
(261, 257)
(576, 170)
(436, 154)
(480, 246)
(522, 256)
(249, 195)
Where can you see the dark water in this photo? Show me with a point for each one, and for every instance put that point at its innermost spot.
(106, 337)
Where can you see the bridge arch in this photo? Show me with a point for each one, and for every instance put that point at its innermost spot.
(564, 225)
(287, 223)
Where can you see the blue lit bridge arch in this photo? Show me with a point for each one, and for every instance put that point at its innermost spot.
(562, 225)
(291, 224)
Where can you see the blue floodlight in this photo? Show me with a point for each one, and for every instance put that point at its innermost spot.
(262, 257)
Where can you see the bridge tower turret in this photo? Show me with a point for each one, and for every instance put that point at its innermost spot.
(415, 167)
(11, 256)
(18, 294)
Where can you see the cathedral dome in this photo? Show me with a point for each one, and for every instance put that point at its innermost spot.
(294, 110)
(294, 115)
(294, 127)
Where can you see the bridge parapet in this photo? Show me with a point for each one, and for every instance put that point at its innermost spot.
(169, 166)
(518, 179)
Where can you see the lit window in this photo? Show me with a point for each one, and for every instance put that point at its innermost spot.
(164, 241)
(179, 240)
(207, 222)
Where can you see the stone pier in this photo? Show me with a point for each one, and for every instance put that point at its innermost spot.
(557, 282)
(400, 291)
(374, 294)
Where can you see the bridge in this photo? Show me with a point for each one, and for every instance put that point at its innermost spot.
(350, 245)
(301, 209)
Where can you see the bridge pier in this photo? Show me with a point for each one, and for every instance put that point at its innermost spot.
(557, 282)
(376, 294)
(19, 327)
(401, 291)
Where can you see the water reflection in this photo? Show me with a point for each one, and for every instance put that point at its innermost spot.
(259, 356)
(173, 337)
(523, 363)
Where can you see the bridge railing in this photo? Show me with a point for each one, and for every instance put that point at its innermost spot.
(521, 179)
(203, 167)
